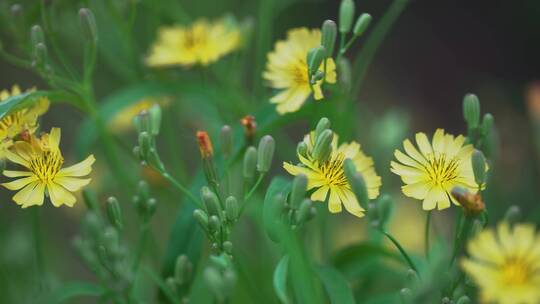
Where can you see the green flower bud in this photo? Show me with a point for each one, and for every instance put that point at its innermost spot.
(302, 149)
(214, 280)
(362, 24)
(91, 225)
(111, 239)
(328, 37)
(298, 191)
(226, 141)
(211, 201)
(322, 125)
(479, 167)
(228, 247)
(114, 213)
(214, 223)
(513, 214)
(412, 276)
(304, 211)
(487, 124)
(384, 208)
(265, 153)
(142, 121)
(201, 217)
(356, 181)
(16, 10)
(229, 278)
(250, 163)
(143, 190)
(315, 58)
(36, 35)
(406, 295)
(137, 153)
(150, 207)
(155, 119)
(183, 270)
(346, 15)
(145, 144)
(171, 284)
(323, 146)
(464, 300)
(231, 208)
(471, 110)
(40, 55)
(345, 72)
(88, 23)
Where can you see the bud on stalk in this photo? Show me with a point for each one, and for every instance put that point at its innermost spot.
(88, 23)
(265, 153)
(346, 15)
(114, 213)
(155, 119)
(250, 127)
(471, 110)
(207, 157)
(231, 208)
(328, 37)
(323, 146)
(226, 141)
(250, 163)
(362, 24)
(298, 191)
(479, 167)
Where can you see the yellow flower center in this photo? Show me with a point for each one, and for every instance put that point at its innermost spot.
(516, 271)
(333, 172)
(46, 165)
(15, 119)
(194, 40)
(440, 170)
(299, 73)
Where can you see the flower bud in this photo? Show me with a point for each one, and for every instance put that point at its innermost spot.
(328, 37)
(513, 214)
(150, 207)
(211, 201)
(265, 153)
(36, 35)
(229, 278)
(471, 110)
(250, 127)
(142, 121)
(471, 203)
(446, 300)
(323, 146)
(315, 57)
(412, 276)
(479, 167)
(487, 124)
(322, 125)
(346, 15)
(228, 247)
(16, 10)
(91, 225)
(110, 239)
(362, 24)
(356, 181)
(145, 144)
(40, 55)
(155, 119)
(384, 208)
(464, 300)
(214, 223)
(205, 145)
(226, 141)
(304, 211)
(114, 213)
(345, 72)
(201, 217)
(406, 295)
(231, 208)
(143, 190)
(88, 23)
(302, 149)
(171, 284)
(298, 191)
(207, 153)
(183, 270)
(250, 163)
(215, 282)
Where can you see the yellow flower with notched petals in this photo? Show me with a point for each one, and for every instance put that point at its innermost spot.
(505, 264)
(287, 70)
(431, 173)
(45, 175)
(328, 179)
(202, 43)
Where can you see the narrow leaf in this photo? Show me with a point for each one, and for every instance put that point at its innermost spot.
(336, 285)
(280, 279)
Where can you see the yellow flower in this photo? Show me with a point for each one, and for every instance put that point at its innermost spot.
(123, 119)
(24, 120)
(45, 175)
(202, 43)
(431, 173)
(505, 264)
(328, 179)
(287, 70)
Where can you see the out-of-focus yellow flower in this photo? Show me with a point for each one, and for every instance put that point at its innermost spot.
(123, 119)
(202, 43)
(328, 178)
(21, 121)
(431, 173)
(45, 175)
(505, 264)
(287, 70)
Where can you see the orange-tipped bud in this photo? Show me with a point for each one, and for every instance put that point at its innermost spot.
(205, 144)
(250, 126)
(471, 202)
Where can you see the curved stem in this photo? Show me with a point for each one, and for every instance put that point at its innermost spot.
(402, 251)
(426, 233)
(145, 228)
(180, 187)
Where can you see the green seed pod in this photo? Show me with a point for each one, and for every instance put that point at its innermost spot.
(464, 300)
(322, 125)
(346, 16)
(479, 167)
(298, 191)
(36, 35)
(214, 223)
(304, 211)
(231, 208)
(302, 149)
(265, 153)
(183, 270)
(328, 37)
(201, 217)
(211, 201)
(155, 119)
(323, 146)
(362, 24)
(513, 214)
(250, 163)
(315, 58)
(471, 110)
(114, 212)
(228, 247)
(88, 23)
(226, 141)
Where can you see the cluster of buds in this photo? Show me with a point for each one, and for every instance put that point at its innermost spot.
(322, 138)
(220, 277)
(180, 282)
(147, 124)
(479, 133)
(144, 203)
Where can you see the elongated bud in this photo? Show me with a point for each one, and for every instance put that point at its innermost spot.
(322, 125)
(150, 207)
(471, 110)
(36, 35)
(487, 124)
(143, 190)
(229, 278)
(250, 127)
(302, 149)
(214, 223)
(183, 270)
(231, 208)
(513, 214)
(228, 247)
(384, 208)
(328, 37)
(201, 217)
(250, 163)
(356, 181)
(215, 282)
(471, 203)
(298, 191)
(110, 238)
(145, 144)
(16, 10)
(362, 24)
(40, 55)
(114, 213)
(323, 146)
(464, 300)
(142, 121)
(155, 119)
(479, 167)
(88, 23)
(226, 141)
(265, 153)
(406, 296)
(412, 276)
(211, 201)
(346, 15)
(315, 58)
(304, 211)
(171, 284)
(205, 145)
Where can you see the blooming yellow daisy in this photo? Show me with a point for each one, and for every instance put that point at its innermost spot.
(328, 178)
(505, 264)
(123, 119)
(430, 174)
(24, 120)
(45, 175)
(202, 43)
(287, 70)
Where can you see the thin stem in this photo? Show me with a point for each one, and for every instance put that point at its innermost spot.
(426, 233)
(38, 245)
(402, 251)
(250, 193)
(346, 47)
(143, 236)
(461, 237)
(180, 187)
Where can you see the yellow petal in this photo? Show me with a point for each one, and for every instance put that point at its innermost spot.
(334, 204)
(80, 169)
(30, 195)
(350, 202)
(11, 173)
(60, 196)
(320, 194)
(423, 143)
(72, 183)
(417, 190)
(439, 141)
(54, 138)
(413, 152)
(19, 183)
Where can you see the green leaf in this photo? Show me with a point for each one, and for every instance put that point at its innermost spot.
(27, 99)
(279, 185)
(73, 290)
(336, 285)
(280, 279)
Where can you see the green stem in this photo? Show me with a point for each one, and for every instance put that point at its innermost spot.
(250, 193)
(426, 234)
(402, 251)
(38, 245)
(143, 236)
(180, 187)
(461, 237)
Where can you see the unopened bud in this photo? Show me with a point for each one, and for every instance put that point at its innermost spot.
(36, 35)
(323, 146)
(322, 125)
(226, 141)
(328, 37)
(40, 54)
(183, 270)
(513, 214)
(384, 208)
(250, 127)
(479, 167)
(110, 239)
(472, 203)
(273, 208)
(205, 145)
(412, 276)
(155, 119)
(91, 225)
(88, 23)
(304, 211)
(315, 57)
(214, 223)
(201, 217)
(16, 10)
(446, 300)
(229, 278)
(150, 207)
(114, 213)
(298, 191)
(471, 110)
(142, 121)
(362, 24)
(171, 284)
(302, 149)
(215, 282)
(356, 181)
(346, 15)
(143, 190)
(145, 144)
(228, 247)
(345, 72)
(406, 295)
(250, 163)
(211, 201)
(265, 153)
(487, 124)
(231, 208)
